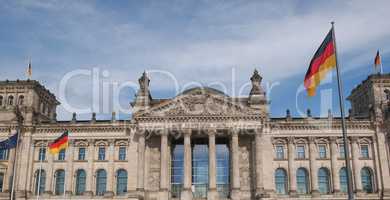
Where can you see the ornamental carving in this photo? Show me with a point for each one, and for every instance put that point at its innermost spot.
(197, 103)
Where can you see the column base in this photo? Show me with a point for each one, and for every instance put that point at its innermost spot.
(235, 194)
(87, 193)
(315, 193)
(186, 194)
(212, 194)
(163, 194)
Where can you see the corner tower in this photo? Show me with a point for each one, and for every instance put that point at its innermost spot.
(36, 103)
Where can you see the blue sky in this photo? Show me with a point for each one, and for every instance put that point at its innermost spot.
(196, 41)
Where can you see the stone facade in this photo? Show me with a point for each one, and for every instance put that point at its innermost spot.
(142, 146)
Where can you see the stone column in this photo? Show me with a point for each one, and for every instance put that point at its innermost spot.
(235, 194)
(259, 163)
(313, 166)
(141, 163)
(69, 168)
(7, 179)
(212, 194)
(186, 194)
(164, 179)
(291, 169)
(355, 163)
(91, 171)
(334, 169)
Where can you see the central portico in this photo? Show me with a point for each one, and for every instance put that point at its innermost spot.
(200, 144)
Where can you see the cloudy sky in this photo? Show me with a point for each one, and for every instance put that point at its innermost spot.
(183, 43)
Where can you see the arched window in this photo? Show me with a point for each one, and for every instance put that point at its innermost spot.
(101, 182)
(323, 180)
(343, 180)
(11, 100)
(302, 181)
(367, 181)
(60, 182)
(1, 100)
(281, 181)
(21, 100)
(80, 181)
(121, 182)
(40, 181)
(1, 181)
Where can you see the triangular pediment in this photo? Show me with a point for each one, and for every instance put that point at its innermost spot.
(199, 102)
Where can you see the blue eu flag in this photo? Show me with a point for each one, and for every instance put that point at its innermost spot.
(10, 142)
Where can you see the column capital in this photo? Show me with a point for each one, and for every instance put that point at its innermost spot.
(311, 139)
(234, 131)
(290, 140)
(333, 139)
(212, 132)
(187, 132)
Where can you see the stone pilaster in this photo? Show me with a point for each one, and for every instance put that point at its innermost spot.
(186, 194)
(49, 189)
(383, 145)
(212, 193)
(111, 173)
(69, 168)
(355, 163)
(313, 166)
(141, 163)
(291, 169)
(334, 169)
(259, 163)
(91, 158)
(164, 179)
(235, 194)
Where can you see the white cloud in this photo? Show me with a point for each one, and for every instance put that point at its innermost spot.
(190, 39)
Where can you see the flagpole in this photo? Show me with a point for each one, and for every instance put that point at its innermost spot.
(344, 129)
(19, 118)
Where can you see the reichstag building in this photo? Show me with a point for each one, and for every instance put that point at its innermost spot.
(201, 144)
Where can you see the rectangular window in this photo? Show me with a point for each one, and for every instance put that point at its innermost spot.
(364, 151)
(102, 153)
(280, 152)
(61, 155)
(81, 153)
(3, 154)
(122, 153)
(322, 151)
(42, 154)
(341, 151)
(301, 152)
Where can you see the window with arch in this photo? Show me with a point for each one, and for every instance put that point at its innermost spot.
(121, 182)
(367, 182)
(387, 93)
(343, 180)
(101, 182)
(11, 100)
(122, 153)
(21, 100)
(81, 178)
(1, 181)
(302, 181)
(40, 181)
(61, 155)
(281, 181)
(3, 154)
(323, 180)
(1, 100)
(60, 182)
(42, 154)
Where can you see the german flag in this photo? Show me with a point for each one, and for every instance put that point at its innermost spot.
(59, 144)
(322, 62)
(377, 61)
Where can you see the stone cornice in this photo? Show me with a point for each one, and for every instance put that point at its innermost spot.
(319, 124)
